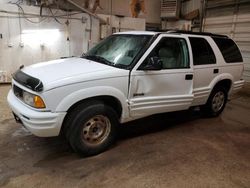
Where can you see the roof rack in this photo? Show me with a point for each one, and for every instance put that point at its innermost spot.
(193, 33)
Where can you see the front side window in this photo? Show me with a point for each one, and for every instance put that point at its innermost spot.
(172, 52)
(202, 51)
(118, 50)
(229, 50)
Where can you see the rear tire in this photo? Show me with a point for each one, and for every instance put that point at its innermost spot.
(91, 128)
(216, 102)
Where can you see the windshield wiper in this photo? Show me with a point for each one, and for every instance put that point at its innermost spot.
(104, 61)
(118, 65)
(98, 59)
(83, 54)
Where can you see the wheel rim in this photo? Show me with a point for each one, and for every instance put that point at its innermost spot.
(96, 130)
(218, 101)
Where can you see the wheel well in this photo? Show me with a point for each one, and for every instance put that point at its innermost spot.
(225, 84)
(107, 100)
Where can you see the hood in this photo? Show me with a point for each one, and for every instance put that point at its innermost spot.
(64, 71)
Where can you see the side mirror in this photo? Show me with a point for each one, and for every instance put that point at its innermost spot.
(153, 63)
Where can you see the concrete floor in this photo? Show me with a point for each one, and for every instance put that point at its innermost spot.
(169, 150)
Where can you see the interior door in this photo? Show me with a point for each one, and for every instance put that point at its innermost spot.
(167, 89)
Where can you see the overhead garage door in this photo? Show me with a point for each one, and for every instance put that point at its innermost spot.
(231, 17)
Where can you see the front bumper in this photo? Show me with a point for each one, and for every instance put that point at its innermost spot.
(43, 124)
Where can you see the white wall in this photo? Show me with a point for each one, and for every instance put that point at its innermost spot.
(53, 45)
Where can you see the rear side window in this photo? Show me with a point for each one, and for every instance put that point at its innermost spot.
(229, 50)
(202, 52)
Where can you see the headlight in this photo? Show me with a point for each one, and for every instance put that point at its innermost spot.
(33, 100)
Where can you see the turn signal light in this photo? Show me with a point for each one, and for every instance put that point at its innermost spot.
(38, 102)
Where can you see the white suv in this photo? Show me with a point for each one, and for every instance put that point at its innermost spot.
(127, 76)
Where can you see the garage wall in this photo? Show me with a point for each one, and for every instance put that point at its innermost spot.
(188, 6)
(232, 19)
(182, 24)
(120, 24)
(21, 45)
(179, 25)
(121, 7)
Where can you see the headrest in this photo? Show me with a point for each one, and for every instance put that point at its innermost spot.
(166, 52)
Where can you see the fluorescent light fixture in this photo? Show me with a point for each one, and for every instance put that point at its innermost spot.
(40, 36)
(43, 31)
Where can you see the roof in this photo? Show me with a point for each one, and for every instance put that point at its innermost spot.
(195, 33)
(137, 33)
(171, 32)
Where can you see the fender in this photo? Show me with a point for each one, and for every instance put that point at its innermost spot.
(223, 76)
(96, 91)
(217, 79)
(210, 87)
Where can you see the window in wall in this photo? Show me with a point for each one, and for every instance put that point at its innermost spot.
(229, 50)
(202, 51)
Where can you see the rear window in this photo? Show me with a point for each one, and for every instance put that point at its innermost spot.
(229, 50)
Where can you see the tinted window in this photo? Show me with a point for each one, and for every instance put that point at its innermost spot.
(229, 50)
(173, 53)
(202, 52)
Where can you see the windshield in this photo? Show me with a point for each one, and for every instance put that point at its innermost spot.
(118, 50)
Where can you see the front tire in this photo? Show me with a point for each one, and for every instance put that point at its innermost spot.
(91, 128)
(216, 102)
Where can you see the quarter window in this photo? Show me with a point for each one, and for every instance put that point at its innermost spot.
(202, 52)
(229, 50)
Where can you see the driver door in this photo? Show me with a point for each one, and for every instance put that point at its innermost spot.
(168, 89)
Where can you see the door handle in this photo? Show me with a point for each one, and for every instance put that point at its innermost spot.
(216, 71)
(189, 77)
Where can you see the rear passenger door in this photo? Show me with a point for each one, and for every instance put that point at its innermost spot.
(205, 67)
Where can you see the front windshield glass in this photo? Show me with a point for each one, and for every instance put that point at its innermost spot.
(118, 50)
